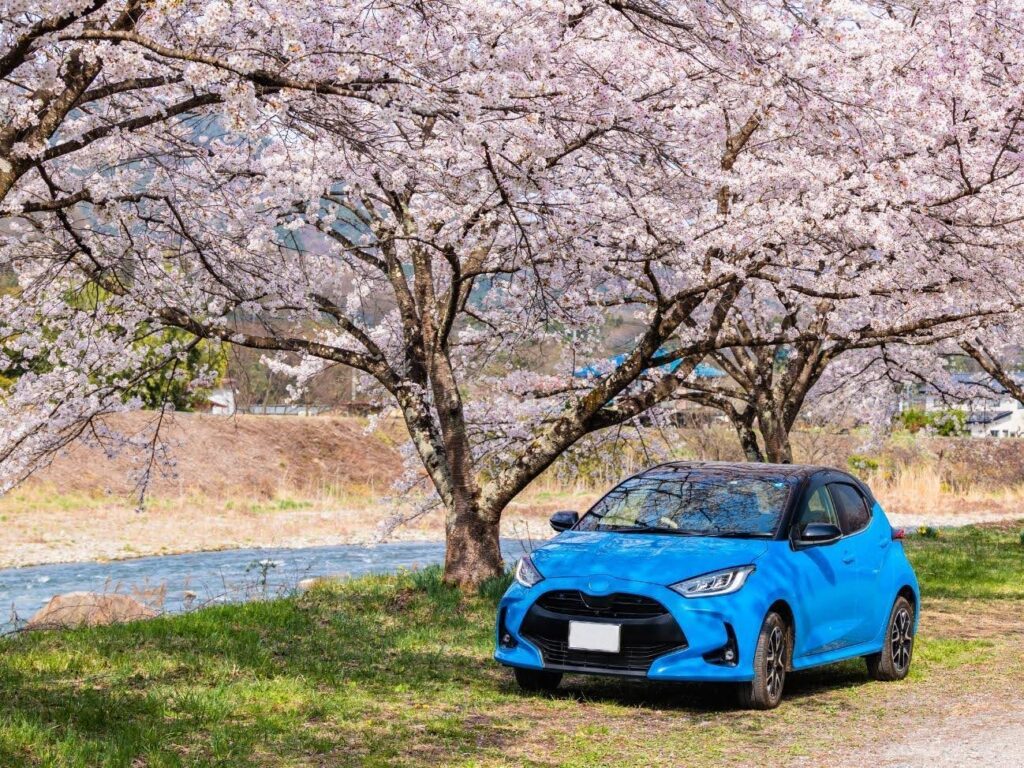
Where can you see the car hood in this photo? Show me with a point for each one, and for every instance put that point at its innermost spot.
(653, 558)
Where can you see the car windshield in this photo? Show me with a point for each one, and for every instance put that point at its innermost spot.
(695, 503)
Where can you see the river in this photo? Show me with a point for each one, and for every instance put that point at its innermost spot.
(181, 582)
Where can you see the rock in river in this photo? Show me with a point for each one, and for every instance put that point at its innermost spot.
(88, 609)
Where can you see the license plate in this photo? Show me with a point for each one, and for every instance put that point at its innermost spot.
(588, 636)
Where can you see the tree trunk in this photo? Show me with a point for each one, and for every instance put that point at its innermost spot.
(473, 551)
(743, 423)
(777, 448)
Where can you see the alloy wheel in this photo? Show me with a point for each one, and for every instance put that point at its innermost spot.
(901, 639)
(775, 663)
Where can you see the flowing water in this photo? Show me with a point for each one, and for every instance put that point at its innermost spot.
(179, 582)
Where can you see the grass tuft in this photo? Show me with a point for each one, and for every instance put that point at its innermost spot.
(495, 587)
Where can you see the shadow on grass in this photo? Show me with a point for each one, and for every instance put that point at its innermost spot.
(701, 698)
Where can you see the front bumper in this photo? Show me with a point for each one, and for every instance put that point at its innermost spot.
(685, 645)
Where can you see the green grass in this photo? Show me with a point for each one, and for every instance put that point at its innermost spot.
(284, 504)
(971, 562)
(396, 670)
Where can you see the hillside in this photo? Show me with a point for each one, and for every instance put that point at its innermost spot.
(245, 456)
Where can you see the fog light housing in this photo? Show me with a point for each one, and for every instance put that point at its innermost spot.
(729, 654)
(505, 638)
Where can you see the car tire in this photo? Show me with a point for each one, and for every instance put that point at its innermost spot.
(893, 663)
(771, 659)
(537, 680)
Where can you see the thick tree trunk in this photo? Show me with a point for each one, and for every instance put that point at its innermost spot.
(743, 423)
(473, 551)
(777, 448)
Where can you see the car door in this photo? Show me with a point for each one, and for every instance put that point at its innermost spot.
(819, 579)
(861, 555)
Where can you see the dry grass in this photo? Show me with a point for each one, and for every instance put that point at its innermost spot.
(922, 488)
(242, 457)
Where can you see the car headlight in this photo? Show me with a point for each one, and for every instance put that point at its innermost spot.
(723, 582)
(526, 572)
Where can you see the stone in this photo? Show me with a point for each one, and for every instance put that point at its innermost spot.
(88, 609)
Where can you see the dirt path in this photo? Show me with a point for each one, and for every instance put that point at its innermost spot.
(994, 739)
(971, 714)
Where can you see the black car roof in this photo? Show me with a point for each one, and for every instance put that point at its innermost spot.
(743, 469)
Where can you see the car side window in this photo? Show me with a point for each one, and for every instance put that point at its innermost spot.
(818, 508)
(851, 506)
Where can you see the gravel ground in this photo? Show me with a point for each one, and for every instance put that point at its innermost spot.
(965, 716)
(991, 739)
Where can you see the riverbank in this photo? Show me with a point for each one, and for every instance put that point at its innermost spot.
(42, 526)
(258, 481)
(396, 670)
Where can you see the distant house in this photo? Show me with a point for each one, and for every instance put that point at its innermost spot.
(991, 410)
(221, 402)
(997, 423)
(681, 410)
(596, 370)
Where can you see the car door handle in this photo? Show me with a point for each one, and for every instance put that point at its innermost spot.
(847, 559)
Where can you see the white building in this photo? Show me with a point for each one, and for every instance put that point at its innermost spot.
(992, 412)
(222, 401)
(997, 422)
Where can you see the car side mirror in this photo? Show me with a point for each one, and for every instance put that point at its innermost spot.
(563, 521)
(817, 533)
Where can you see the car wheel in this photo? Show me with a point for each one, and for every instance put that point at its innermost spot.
(770, 662)
(534, 680)
(893, 663)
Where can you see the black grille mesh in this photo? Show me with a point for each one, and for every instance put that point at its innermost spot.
(616, 606)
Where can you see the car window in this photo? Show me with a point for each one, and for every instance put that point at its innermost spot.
(818, 508)
(851, 507)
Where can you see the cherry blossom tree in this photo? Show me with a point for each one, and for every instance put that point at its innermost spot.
(996, 348)
(411, 195)
(428, 192)
(915, 241)
(829, 354)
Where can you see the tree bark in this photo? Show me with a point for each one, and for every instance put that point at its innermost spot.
(473, 548)
(748, 442)
(775, 433)
(743, 423)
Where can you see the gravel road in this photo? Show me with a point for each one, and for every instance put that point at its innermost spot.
(991, 739)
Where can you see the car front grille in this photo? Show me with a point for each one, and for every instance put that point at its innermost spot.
(647, 631)
(616, 606)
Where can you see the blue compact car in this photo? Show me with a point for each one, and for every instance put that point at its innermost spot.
(715, 572)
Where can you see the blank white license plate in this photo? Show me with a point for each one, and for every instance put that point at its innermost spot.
(588, 636)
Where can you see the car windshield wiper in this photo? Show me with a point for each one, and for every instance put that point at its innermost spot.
(648, 529)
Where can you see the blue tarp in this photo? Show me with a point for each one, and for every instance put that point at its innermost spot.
(596, 370)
